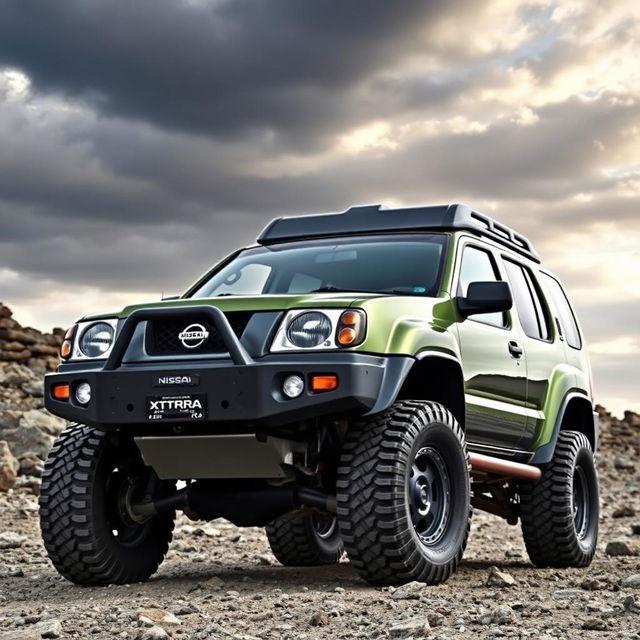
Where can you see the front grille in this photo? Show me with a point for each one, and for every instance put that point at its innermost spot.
(162, 336)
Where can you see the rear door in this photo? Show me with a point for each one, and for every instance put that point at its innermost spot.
(493, 362)
(543, 347)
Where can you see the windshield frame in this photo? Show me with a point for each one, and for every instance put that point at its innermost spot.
(385, 236)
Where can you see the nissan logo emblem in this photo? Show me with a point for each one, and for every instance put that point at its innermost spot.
(193, 336)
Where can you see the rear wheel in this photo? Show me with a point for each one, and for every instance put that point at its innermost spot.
(305, 541)
(404, 494)
(560, 512)
(89, 532)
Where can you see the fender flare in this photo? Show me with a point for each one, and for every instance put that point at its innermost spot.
(395, 375)
(544, 453)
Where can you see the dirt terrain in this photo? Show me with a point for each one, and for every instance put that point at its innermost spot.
(219, 581)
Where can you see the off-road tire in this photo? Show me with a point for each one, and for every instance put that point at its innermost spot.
(549, 522)
(298, 542)
(374, 505)
(74, 507)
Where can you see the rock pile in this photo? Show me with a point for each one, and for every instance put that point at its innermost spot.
(26, 345)
(27, 430)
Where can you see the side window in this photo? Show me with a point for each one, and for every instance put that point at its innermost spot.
(564, 311)
(478, 266)
(530, 310)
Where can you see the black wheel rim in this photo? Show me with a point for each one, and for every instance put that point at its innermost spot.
(580, 502)
(119, 492)
(324, 527)
(429, 495)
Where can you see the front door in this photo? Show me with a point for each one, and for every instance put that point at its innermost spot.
(493, 363)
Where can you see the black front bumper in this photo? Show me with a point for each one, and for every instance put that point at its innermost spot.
(234, 393)
(237, 389)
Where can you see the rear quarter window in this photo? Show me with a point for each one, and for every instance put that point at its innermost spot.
(563, 310)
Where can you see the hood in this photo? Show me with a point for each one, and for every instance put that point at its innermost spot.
(251, 303)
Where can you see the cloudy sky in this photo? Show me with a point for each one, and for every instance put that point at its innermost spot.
(142, 140)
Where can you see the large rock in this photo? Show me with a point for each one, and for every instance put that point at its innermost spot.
(9, 467)
(25, 439)
(16, 374)
(43, 420)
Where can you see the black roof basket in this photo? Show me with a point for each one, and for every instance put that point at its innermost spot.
(377, 218)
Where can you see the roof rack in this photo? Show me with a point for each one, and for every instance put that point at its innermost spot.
(378, 218)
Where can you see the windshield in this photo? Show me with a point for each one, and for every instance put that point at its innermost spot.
(400, 264)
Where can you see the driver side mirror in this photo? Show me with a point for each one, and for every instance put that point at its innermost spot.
(485, 297)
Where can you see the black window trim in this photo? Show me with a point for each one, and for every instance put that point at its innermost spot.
(468, 241)
(557, 317)
(530, 279)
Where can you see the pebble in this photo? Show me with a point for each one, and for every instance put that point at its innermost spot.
(157, 617)
(499, 579)
(502, 614)
(631, 604)
(409, 591)
(623, 462)
(592, 585)
(631, 582)
(415, 627)
(623, 548)
(49, 628)
(11, 540)
(594, 624)
(624, 511)
(153, 633)
(319, 619)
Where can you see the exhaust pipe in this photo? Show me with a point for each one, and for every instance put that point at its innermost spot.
(497, 466)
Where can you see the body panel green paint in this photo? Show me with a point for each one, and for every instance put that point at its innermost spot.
(512, 404)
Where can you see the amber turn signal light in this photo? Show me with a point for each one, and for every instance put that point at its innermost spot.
(67, 344)
(324, 383)
(351, 328)
(61, 392)
(65, 349)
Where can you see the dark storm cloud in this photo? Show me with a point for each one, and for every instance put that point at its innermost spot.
(216, 67)
(148, 138)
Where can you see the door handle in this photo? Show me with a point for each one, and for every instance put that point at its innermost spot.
(515, 349)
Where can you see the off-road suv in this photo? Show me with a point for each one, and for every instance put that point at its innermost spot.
(355, 381)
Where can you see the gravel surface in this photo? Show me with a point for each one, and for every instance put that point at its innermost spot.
(219, 581)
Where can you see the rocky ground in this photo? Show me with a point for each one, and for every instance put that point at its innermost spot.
(219, 581)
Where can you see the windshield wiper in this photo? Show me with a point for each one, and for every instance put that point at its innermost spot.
(331, 289)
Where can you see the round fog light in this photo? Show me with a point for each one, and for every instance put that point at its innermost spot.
(293, 386)
(83, 393)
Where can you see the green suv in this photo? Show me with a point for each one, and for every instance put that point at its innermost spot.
(353, 382)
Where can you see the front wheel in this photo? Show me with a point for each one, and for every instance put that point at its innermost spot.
(89, 533)
(560, 512)
(403, 494)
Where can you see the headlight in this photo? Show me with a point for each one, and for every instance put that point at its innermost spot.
(309, 330)
(96, 340)
(318, 329)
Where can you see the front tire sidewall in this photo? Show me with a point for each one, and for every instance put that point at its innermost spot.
(76, 513)
(588, 542)
(443, 440)
(373, 495)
